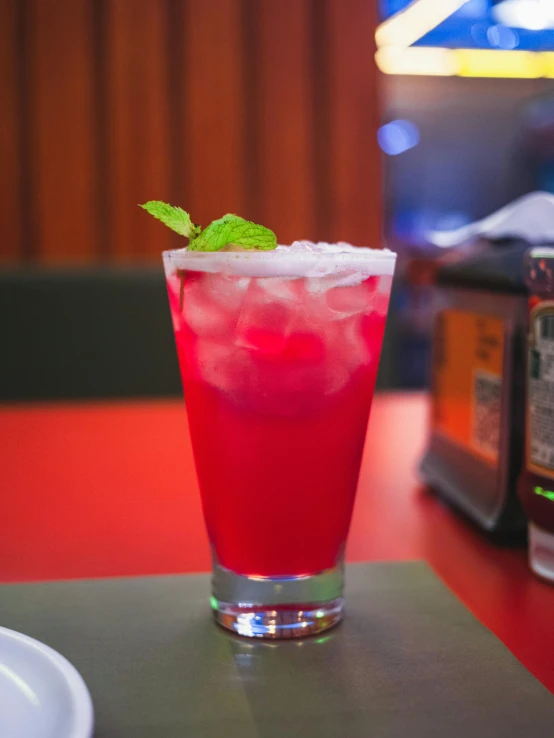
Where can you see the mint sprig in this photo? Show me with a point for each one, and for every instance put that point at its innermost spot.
(173, 217)
(231, 230)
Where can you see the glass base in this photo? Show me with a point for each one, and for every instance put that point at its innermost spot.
(277, 607)
(280, 622)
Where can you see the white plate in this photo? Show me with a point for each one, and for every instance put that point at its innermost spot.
(41, 694)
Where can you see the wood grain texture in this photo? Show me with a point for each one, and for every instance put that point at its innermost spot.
(62, 128)
(355, 175)
(266, 109)
(138, 130)
(10, 136)
(214, 121)
(284, 95)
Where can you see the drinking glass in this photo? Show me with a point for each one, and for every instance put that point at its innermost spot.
(278, 354)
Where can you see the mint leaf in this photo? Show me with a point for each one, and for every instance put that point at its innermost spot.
(234, 230)
(227, 231)
(173, 217)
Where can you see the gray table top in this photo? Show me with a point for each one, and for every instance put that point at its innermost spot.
(410, 660)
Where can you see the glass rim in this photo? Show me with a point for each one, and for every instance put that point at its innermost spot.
(284, 263)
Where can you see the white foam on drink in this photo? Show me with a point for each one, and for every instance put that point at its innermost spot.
(301, 259)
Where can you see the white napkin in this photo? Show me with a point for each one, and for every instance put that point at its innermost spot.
(530, 217)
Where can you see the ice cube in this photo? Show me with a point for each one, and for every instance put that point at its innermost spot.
(263, 323)
(214, 363)
(373, 328)
(262, 328)
(303, 246)
(211, 304)
(348, 299)
(318, 285)
(227, 290)
(385, 284)
(232, 370)
(276, 322)
(285, 289)
(354, 347)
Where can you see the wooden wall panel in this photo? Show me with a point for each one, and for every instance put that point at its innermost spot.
(10, 130)
(62, 127)
(138, 106)
(214, 115)
(355, 174)
(284, 118)
(263, 108)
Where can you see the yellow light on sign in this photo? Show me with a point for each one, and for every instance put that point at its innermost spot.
(490, 63)
(548, 64)
(438, 62)
(396, 55)
(416, 60)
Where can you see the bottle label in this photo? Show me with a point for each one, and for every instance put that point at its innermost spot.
(467, 381)
(540, 390)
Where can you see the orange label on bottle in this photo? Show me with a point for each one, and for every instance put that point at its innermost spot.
(467, 381)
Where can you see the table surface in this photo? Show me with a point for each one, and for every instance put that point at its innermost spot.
(109, 489)
(409, 660)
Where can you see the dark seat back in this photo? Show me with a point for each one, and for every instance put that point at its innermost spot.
(85, 333)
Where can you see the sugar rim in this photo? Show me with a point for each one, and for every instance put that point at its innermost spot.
(284, 262)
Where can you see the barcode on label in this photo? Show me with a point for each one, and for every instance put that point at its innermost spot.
(547, 327)
(485, 432)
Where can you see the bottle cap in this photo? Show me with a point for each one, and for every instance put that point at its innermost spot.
(541, 552)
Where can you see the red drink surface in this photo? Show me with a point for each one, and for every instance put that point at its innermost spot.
(278, 377)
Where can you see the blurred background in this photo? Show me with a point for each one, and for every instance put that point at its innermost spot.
(356, 120)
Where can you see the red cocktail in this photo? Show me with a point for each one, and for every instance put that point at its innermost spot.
(278, 353)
